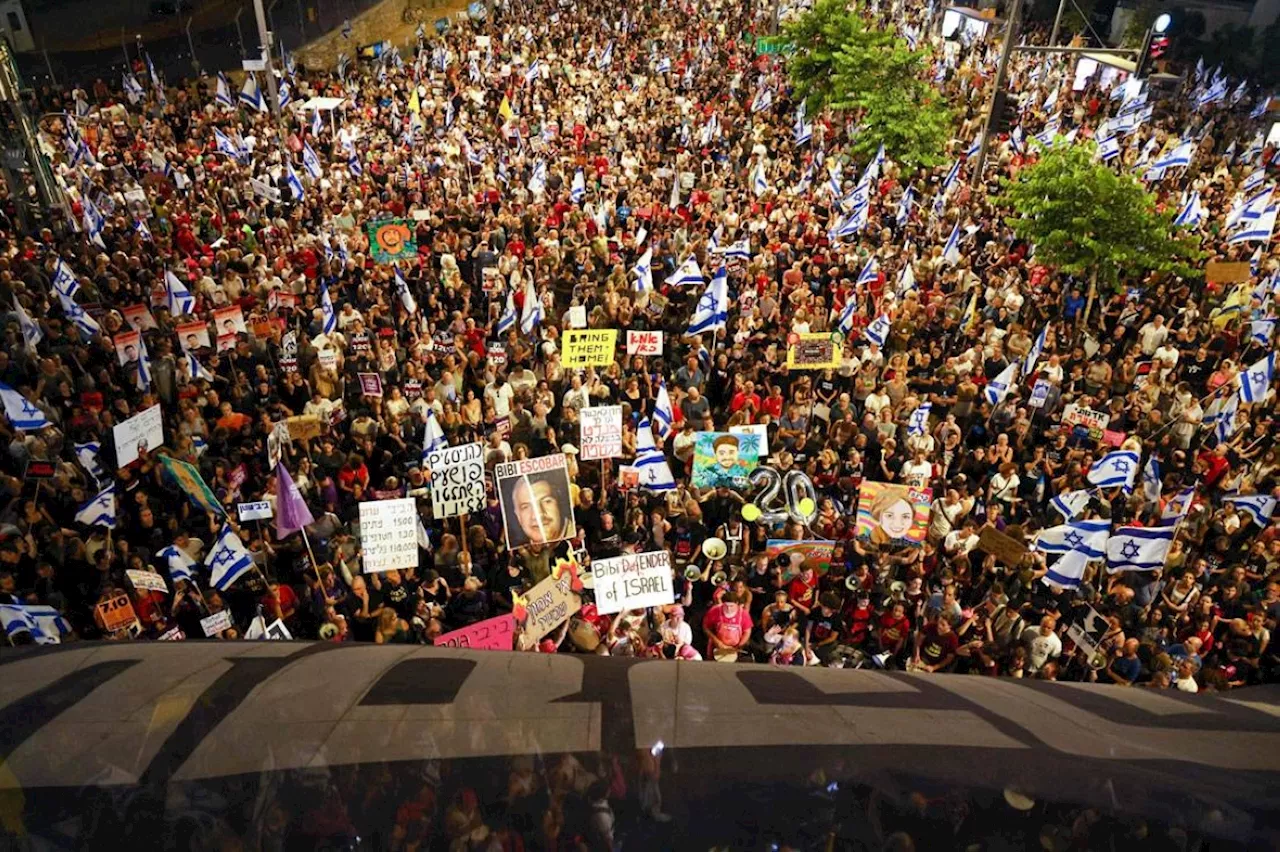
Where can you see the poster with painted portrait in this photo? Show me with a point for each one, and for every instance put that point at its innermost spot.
(893, 515)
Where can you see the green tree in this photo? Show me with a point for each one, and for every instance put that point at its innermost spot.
(843, 63)
(1088, 220)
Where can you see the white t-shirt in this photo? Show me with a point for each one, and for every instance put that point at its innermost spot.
(1040, 649)
(917, 475)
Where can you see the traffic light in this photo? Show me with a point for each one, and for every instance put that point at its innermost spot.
(1005, 113)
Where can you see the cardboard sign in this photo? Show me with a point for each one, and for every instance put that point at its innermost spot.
(813, 553)
(138, 317)
(820, 351)
(1223, 272)
(893, 515)
(143, 431)
(216, 623)
(303, 426)
(601, 432)
(149, 580)
(724, 458)
(389, 534)
(591, 347)
(457, 480)
(229, 321)
(117, 613)
(492, 634)
(1005, 548)
(657, 304)
(257, 511)
(644, 342)
(370, 384)
(551, 602)
(173, 634)
(578, 316)
(1085, 422)
(633, 581)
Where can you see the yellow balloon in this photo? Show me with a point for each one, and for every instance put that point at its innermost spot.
(806, 506)
(750, 512)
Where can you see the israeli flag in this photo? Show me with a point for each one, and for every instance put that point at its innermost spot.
(1151, 481)
(223, 96)
(1050, 102)
(197, 369)
(1077, 542)
(508, 317)
(94, 222)
(850, 226)
(974, 147)
(663, 414)
(803, 129)
(1213, 94)
(250, 95)
(688, 273)
(1117, 468)
(330, 322)
(904, 206)
(918, 424)
(1177, 507)
(228, 560)
(1261, 331)
(1037, 349)
(643, 272)
(759, 184)
(432, 436)
(1016, 138)
(531, 316)
(294, 183)
(1192, 214)
(1179, 157)
(847, 314)
(1224, 424)
(1109, 149)
(31, 333)
(87, 325)
(224, 144)
(763, 100)
(1253, 181)
(144, 367)
(953, 174)
(101, 510)
(606, 58)
(1138, 549)
(45, 624)
(142, 230)
(1255, 381)
(353, 165)
(651, 462)
(1246, 210)
(906, 279)
(951, 252)
(1071, 504)
(22, 413)
(740, 250)
(878, 331)
(1260, 109)
(712, 311)
(538, 179)
(177, 297)
(311, 162)
(869, 272)
(998, 388)
(1257, 506)
(402, 290)
(133, 89)
(578, 191)
(834, 183)
(1259, 230)
(317, 125)
(664, 65)
(283, 94)
(533, 72)
(87, 455)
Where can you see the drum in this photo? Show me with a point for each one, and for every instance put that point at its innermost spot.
(584, 636)
(725, 655)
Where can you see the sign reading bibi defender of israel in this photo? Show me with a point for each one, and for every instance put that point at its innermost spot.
(457, 480)
(534, 494)
(633, 581)
(389, 534)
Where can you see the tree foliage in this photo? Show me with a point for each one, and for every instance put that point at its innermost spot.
(1086, 219)
(843, 62)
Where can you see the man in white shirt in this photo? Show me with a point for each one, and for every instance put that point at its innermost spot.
(918, 472)
(1152, 335)
(1042, 644)
(500, 395)
(960, 542)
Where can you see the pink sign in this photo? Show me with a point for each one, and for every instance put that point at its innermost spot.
(493, 634)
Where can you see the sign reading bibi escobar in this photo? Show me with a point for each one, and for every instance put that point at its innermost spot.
(457, 480)
(634, 581)
(389, 534)
(534, 493)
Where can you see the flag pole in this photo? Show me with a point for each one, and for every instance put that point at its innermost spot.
(462, 528)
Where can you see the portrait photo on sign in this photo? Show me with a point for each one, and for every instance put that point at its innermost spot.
(535, 499)
(128, 347)
(193, 336)
(229, 321)
(893, 515)
(724, 458)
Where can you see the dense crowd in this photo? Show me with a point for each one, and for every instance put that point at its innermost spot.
(540, 158)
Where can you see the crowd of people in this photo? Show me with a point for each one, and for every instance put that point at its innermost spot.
(558, 164)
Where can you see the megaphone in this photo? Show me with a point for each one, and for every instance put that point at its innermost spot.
(714, 548)
(692, 573)
(718, 578)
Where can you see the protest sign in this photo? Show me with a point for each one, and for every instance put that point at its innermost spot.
(760, 430)
(1085, 422)
(1227, 272)
(457, 480)
(1088, 634)
(190, 481)
(893, 515)
(173, 634)
(724, 458)
(1003, 547)
(601, 432)
(229, 321)
(534, 494)
(590, 347)
(628, 477)
(578, 316)
(391, 240)
(1039, 394)
(644, 342)
(633, 581)
(815, 554)
(370, 384)
(139, 317)
(304, 426)
(389, 534)
(257, 511)
(40, 469)
(216, 623)
(149, 580)
(193, 336)
(550, 603)
(141, 432)
(128, 348)
(117, 613)
(817, 351)
(492, 634)
(496, 354)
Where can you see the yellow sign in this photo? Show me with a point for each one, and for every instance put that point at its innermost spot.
(590, 347)
(819, 351)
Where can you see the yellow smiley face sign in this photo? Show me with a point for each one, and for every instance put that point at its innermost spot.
(391, 240)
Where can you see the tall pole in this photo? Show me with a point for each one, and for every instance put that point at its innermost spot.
(240, 32)
(195, 63)
(1057, 23)
(1002, 74)
(264, 36)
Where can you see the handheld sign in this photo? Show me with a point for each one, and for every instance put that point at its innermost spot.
(256, 511)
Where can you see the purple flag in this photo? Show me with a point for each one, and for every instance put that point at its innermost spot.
(292, 513)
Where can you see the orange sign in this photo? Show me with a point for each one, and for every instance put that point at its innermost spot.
(117, 613)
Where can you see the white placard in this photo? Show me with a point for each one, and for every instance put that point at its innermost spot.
(253, 64)
(578, 316)
(644, 342)
(265, 190)
(144, 430)
(216, 623)
(601, 436)
(147, 580)
(759, 429)
(389, 534)
(634, 581)
(257, 511)
(457, 480)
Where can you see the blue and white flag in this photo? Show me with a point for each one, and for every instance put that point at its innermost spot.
(918, 424)
(1138, 549)
(224, 143)
(143, 231)
(508, 317)
(998, 388)
(330, 321)
(1261, 331)
(533, 72)
(402, 290)
(1257, 506)
(22, 413)
(1224, 423)
(904, 206)
(974, 147)
(759, 183)
(100, 511)
(353, 164)
(1253, 181)
(651, 463)
(94, 222)
(31, 333)
(250, 95)
(283, 93)
(643, 272)
(1151, 481)
(317, 124)
(1179, 157)
(951, 252)
(663, 66)
(311, 162)
(1071, 504)
(1246, 210)
(538, 178)
(688, 273)
(45, 624)
(1259, 229)
(1077, 542)
(1192, 213)
(177, 297)
(712, 310)
(87, 455)
(606, 57)
(294, 183)
(196, 369)
(85, 324)
(531, 315)
(224, 91)
(663, 414)
(1255, 381)
(847, 313)
(763, 100)
(432, 436)
(878, 331)
(143, 377)
(906, 279)
(64, 281)
(228, 560)
(1115, 469)
(133, 89)
(1037, 349)
(1109, 148)
(1178, 507)
(578, 192)
(741, 250)
(803, 129)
